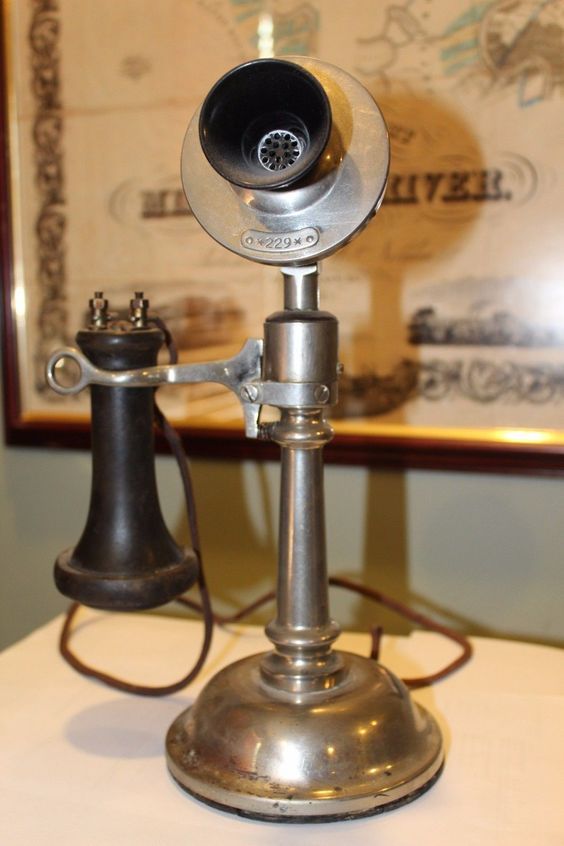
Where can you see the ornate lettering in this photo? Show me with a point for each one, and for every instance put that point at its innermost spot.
(456, 186)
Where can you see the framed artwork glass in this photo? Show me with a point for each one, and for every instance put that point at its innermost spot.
(451, 303)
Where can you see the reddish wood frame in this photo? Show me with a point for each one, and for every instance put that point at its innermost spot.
(374, 451)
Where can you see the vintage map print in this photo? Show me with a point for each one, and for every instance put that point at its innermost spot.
(451, 303)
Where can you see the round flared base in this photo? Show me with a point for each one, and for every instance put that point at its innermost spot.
(355, 749)
(125, 591)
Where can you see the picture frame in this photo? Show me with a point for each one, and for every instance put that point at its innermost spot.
(455, 380)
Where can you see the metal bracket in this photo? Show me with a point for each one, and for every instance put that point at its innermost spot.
(241, 374)
(290, 394)
(243, 369)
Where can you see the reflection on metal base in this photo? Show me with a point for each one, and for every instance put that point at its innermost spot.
(358, 748)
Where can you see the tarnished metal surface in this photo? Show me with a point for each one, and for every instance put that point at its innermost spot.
(343, 752)
(304, 732)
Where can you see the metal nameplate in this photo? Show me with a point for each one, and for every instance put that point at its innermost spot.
(279, 242)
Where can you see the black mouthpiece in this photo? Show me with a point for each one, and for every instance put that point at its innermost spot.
(265, 124)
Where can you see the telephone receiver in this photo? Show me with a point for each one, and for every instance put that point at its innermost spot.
(126, 558)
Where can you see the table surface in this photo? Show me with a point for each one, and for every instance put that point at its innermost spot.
(83, 764)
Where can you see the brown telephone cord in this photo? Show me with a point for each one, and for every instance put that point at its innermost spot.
(205, 607)
(336, 581)
(211, 619)
(376, 632)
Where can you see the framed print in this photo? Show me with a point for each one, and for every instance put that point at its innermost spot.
(451, 303)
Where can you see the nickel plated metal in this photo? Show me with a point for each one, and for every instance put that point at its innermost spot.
(311, 219)
(304, 732)
(241, 374)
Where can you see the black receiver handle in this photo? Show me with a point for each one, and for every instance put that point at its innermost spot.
(126, 558)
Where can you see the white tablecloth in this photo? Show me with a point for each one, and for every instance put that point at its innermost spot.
(82, 764)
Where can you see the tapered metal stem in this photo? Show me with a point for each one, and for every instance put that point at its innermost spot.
(302, 631)
(302, 578)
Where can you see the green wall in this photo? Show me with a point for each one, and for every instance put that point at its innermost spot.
(481, 551)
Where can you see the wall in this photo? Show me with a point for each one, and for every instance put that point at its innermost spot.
(483, 552)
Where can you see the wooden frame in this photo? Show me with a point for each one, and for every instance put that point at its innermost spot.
(372, 441)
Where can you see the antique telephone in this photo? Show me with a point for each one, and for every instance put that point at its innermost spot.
(283, 164)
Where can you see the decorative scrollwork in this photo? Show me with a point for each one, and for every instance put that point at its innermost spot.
(479, 380)
(50, 226)
(500, 329)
